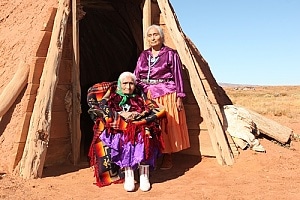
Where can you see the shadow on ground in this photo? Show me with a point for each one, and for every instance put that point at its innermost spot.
(58, 170)
(181, 164)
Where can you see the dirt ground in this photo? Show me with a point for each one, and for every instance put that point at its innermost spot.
(271, 175)
(274, 174)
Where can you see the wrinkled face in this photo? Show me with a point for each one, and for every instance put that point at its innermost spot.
(127, 85)
(154, 38)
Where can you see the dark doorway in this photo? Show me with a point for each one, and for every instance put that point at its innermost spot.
(107, 48)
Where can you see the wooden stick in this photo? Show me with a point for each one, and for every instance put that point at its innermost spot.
(10, 93)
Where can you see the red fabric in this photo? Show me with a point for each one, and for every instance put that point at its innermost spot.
(115, 122)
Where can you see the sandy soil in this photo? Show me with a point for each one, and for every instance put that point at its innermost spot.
(270, 175)
(274, 174)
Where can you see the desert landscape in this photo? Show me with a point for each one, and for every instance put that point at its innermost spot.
(254, 175)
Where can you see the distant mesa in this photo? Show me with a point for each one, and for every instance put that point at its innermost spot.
(238, 86)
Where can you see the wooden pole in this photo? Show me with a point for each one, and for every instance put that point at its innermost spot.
(76, 91)
(33, 158)
(147, 19)
(13, 88)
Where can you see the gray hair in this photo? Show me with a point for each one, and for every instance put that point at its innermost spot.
(159, 29)
(126, 74)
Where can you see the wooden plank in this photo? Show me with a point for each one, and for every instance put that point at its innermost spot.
(211, 118)
(206, 147)
(216, 132)
(60, 125)
(12, 90)
(271, 128)
(32, 162)
(200, 144)
(232, 145)
(58, 152)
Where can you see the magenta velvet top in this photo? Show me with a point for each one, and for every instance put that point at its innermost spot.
(168, 66)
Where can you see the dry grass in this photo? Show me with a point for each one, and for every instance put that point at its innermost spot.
(280, 103)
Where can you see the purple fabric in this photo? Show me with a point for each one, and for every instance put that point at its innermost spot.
(126, 154)
(168, 66)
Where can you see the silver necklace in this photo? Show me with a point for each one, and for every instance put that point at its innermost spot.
(151, 63)
(126, 107)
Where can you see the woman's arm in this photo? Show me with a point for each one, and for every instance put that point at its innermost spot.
(177, 74)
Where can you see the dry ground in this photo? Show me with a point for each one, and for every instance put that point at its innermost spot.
(274, 174)
(271, 175)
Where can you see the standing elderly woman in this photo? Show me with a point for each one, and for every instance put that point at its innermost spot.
(138, 145)
(159, 73)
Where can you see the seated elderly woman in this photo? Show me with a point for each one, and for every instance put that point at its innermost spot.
(126, 123)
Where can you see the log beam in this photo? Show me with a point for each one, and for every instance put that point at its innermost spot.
(271, 128)
(76, 90)
(33, 158)
(10, 93)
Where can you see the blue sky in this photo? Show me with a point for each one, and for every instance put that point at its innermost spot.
(253, 42)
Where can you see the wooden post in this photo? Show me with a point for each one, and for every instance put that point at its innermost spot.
(147, 19)
(211, 118)
(32, 161)
(76, 92)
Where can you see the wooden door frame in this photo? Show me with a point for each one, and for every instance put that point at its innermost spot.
(76, 89)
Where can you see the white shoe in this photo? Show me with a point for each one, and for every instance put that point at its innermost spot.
(144, 178)
(129, 179)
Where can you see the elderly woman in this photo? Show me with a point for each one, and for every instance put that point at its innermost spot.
(159, 73)
(135, 144)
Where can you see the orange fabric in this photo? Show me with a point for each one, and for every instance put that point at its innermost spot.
(174, 128)
(100, 91)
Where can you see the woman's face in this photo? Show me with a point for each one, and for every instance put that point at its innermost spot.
(154, 38)
(127, 85)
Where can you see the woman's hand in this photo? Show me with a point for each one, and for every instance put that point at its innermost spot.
(129, 115)
(179, 104)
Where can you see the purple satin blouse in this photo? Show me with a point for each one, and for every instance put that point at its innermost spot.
(167, 66)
